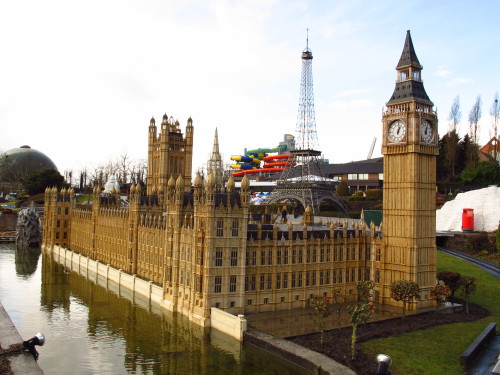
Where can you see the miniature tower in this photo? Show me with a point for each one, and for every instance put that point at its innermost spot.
(215, 162)
(169, 153)
(309, 187)
(409, 146)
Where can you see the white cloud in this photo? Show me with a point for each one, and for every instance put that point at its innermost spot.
(442, 73)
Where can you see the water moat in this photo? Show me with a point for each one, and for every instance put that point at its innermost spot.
(95, 328)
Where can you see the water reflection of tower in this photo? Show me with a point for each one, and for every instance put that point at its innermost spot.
(54, 292)
(305, 182)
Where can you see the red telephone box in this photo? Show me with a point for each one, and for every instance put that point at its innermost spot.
(468, 220)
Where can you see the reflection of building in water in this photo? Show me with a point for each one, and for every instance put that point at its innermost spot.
(201, 246)
(54, 293)
(161, 338)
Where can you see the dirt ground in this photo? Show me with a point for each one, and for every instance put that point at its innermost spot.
(337, 342)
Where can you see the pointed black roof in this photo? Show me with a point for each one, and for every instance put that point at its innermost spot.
(408, 56)
(410, 88)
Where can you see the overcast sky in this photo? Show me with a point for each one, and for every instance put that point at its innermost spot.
(80, 81)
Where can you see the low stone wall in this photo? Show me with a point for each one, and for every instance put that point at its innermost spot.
(230, 324)
(94, 270)
(132, 282)
(470, 354)
(310, 361)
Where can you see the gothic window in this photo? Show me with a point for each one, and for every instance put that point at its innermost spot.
(313, 278)
(347, 253)
(57, 235)
(247, 260)
(218, 284)
(335, 254)
(368, 253)
(378, 254)
(58, 224)
(367, 273)
(300, 279)
(278, 281)
(263, 257)
(254, 258)
(270, 258)
(353, 254)
(232, 284)
(360, 274)
(334, 276)
(308, 278)
(252, 284)
(278, 258)
(347, 275)
(246, 283)
(308, 256)
(294, 256)
(285, 281)
(262, 281)
(340, 276)
(218, 257)
(285, 257)
(269, 281)
(58, 210)
(220, 227)
(234, 258)
(327, 277)
(199, 284)
(66, 210)
(293, 280)
(377, 276)
(321, 277)
(353, 274)
(65, 223)
(314, 259)
(234, 228)
(65, 235)
(300, 256)
(328, 254)
(322, 255)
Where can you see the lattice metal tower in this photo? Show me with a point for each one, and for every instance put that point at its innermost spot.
(305, 182)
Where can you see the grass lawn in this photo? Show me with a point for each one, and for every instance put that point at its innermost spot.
(437, 350)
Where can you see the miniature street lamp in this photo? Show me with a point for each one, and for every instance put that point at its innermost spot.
(383, 364)
(38, 339)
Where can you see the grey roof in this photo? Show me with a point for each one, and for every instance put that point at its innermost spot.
(375, 165)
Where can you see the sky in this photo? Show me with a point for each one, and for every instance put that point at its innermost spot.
(79, 81)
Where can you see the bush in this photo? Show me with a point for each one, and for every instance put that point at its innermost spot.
(498, 237)
(451, 280)
(342, 189)
(374, 194)
(405, 291)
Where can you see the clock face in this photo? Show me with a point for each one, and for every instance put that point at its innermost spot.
(397, 131)
(426, 132)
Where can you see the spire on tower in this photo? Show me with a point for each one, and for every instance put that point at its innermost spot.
(408, 56)
(214, 164)
(409, 85)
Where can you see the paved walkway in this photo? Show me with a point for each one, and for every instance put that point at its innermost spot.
(20, 363)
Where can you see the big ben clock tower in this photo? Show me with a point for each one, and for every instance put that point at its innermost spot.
(410, 147)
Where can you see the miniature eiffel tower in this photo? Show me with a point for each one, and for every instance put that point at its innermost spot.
(304, 182)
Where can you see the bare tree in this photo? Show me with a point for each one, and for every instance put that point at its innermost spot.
(495, 114)
(123, 166)
(451, 145)
(455, 114)
(474, 117)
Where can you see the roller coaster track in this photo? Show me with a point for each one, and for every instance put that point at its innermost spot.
(488, 266)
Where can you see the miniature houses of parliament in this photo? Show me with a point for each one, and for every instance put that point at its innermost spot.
(200, 244)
